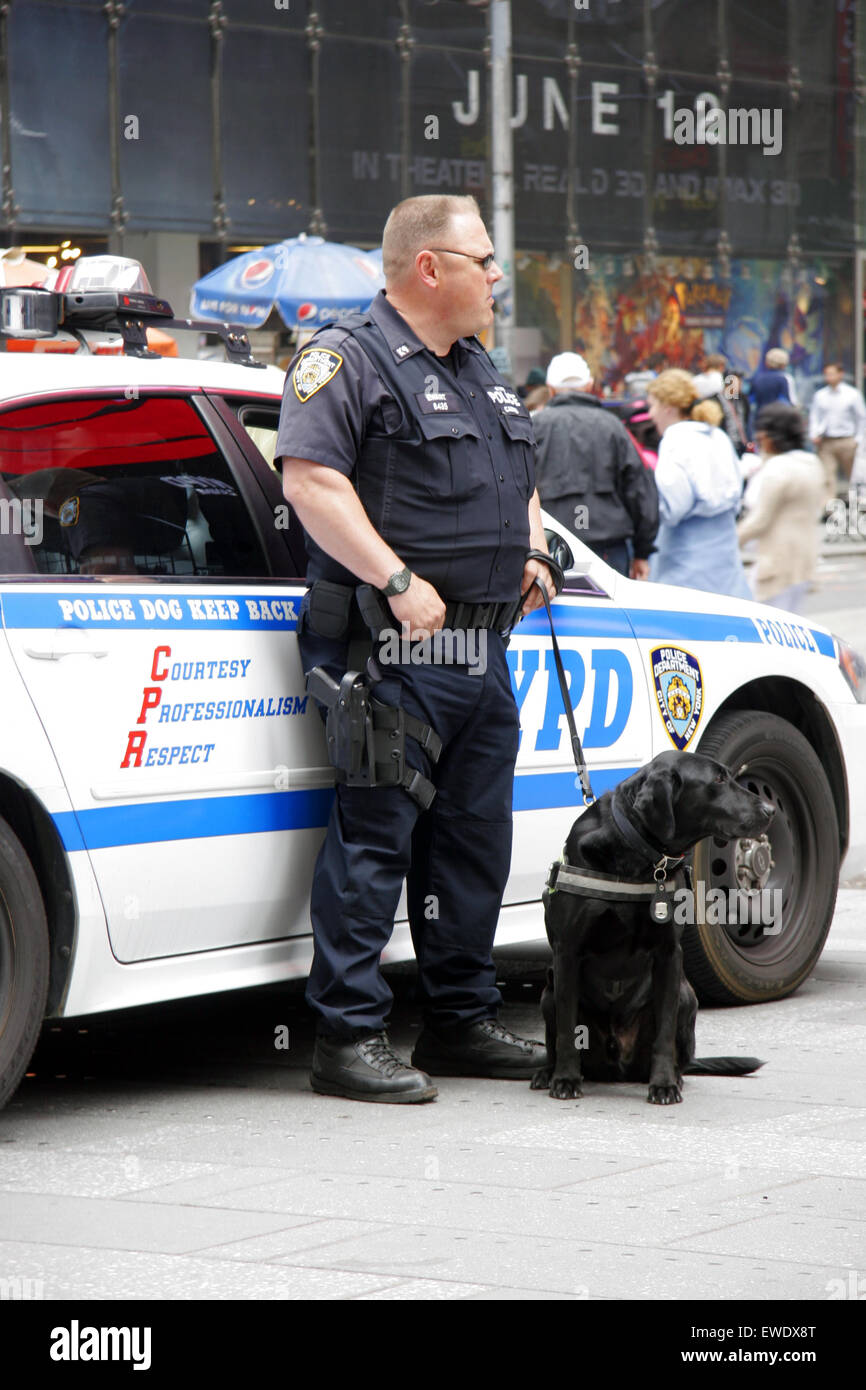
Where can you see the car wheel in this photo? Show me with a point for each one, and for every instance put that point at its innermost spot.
(742, 962)
(24, 960)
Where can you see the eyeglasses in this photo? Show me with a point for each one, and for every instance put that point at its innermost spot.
(484, 261)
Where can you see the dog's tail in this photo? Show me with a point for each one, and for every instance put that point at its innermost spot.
(722, 1066)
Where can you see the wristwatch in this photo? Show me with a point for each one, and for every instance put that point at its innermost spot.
(398, 583)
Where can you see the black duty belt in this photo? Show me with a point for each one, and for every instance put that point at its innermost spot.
(498, 617)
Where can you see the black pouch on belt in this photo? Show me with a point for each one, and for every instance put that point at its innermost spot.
(330, 609)
(374, 609)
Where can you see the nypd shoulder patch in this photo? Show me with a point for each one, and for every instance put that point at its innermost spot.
(679, 691)
(67, 514)
(314, 369)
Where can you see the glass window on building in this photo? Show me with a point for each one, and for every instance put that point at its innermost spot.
(360, 161)
(58, 89)
(265, 134)
(165, 102)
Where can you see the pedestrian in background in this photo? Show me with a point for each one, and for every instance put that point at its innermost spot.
(710, 380)
(784, 518)
(589, 473)
(708, 412)
(773, 382)
(836, 422)
(735, 403)
(714, 388)
(699, 486)
(536, 376)
(537, 398)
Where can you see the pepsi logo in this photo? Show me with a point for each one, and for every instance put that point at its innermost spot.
(257, 273)
(306, 311)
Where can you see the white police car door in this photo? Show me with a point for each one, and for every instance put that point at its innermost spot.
(160, 656)
(608, 690)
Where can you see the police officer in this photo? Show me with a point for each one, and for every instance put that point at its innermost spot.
(408, 460)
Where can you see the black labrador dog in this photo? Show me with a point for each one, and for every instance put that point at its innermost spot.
(617, 1006)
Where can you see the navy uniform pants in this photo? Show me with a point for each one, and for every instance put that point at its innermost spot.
(455, 857)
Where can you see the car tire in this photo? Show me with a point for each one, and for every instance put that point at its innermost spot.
(743, 963)
(24, 961)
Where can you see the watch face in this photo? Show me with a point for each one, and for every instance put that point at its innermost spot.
(399, 582)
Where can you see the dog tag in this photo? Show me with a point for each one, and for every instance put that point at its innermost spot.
(660, 908)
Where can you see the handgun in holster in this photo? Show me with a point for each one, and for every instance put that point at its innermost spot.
(367, 738)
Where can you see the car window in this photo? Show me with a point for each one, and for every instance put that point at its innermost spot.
(255, 425)
(262, 425)
(110, 486)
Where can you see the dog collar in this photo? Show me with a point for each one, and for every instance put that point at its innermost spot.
(631, 834)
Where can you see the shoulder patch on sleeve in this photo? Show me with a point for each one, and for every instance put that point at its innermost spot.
(314, 369)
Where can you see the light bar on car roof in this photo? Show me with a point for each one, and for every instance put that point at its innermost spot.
(43, 313)
(103, 273)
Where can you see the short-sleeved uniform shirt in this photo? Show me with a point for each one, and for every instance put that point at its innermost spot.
(439, 450)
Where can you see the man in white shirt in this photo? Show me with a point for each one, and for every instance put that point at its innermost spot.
(836, 419)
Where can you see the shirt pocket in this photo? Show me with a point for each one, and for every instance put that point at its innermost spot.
(449, 464)
(521, 446)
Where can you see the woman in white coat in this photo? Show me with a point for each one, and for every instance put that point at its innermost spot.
(784, 520)
(699, 486)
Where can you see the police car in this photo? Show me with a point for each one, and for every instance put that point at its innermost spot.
(164, 784)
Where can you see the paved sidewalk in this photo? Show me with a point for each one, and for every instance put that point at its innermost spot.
(219, 1175)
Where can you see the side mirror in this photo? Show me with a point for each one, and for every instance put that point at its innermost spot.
(560, 550)
(577, 577)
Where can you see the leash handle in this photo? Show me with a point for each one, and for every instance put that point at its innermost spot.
(577, 752)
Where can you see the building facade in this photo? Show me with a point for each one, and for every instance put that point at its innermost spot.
(687, 172)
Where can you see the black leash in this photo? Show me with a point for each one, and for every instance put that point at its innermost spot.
(579, 761)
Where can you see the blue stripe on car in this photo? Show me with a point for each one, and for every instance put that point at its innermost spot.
(152, 822)
(572, 620)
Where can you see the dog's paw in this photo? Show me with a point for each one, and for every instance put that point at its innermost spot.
(664, 1095)
(565, 1088)
(541, 1079)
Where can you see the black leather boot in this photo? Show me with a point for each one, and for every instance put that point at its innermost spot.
(478, 1049)
(367, 1068)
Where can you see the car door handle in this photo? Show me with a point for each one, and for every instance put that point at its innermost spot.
(56, 653)
(64, 641)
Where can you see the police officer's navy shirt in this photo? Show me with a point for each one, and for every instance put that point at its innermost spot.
(449, 488)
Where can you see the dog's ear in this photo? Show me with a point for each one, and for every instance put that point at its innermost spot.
(656, 800)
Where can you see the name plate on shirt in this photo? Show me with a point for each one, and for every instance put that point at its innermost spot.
(439, 402)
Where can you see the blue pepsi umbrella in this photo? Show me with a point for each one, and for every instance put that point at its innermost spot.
(311, 281)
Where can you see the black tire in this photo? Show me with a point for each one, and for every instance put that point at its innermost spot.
(24, 961)
(742, 964)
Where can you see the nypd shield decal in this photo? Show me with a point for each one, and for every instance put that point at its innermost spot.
(314, 369)
(679, 691)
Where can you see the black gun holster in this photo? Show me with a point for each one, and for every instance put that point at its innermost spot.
(367, 738)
